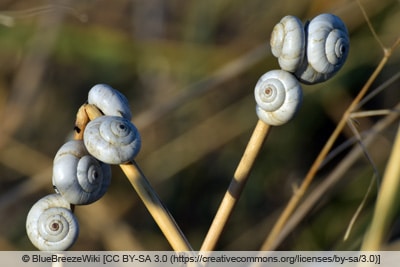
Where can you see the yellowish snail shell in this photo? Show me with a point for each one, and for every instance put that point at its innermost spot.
(79, 177)
(50, 224)
(111, 139)
(314, 53)
(278, 96)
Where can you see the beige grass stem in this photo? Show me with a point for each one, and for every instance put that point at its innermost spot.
(333, 178)
(236, 186)
(297, 196)
(386, 202)
(154, 205)
(143, 188)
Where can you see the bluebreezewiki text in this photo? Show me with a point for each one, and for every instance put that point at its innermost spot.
(70, 259)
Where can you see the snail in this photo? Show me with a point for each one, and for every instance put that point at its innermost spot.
(313, 53)
(79, 177)
(288, 43)
(110, 101)
(111, 139)
(51, 225)
(278, 96)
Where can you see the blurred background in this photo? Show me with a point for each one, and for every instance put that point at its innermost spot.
(188, 69)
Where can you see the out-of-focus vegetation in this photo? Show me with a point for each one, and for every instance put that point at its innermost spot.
(188, 69)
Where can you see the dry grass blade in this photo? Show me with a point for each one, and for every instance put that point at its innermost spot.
(236, 186)
(371, 28)
(379, 89)
(359, 209)
(386, 202)
(145, 191)
(297, 196)
(154, 205)
(332, 179)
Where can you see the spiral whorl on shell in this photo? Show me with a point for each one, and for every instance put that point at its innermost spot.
(111, 139)
(79, 177)
(278, 95)
(50, 224)
(314, 53)
(328, 46)
(288, 43)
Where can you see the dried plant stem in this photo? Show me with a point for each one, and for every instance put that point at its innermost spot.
(81, 120)
(359, 209)
(333, 178)
(295, 199)
(371, 28)
(236, 186)
(143, 188)
(386, 202)
(154, 205)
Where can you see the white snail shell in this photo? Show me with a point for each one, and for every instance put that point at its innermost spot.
(325, 48)
(278, 96)
(110, 101)
(50, 224)
(79, 177)
(288, 43)
(111, 139)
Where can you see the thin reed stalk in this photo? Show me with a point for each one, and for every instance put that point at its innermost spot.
(142, 186)
(236, 186)
(299, 193)
(386, 202)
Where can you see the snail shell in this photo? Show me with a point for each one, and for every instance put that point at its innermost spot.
(110, 101)
(288, 43)
(111, 139)
(79, 177)
(278, 96)
(314, 53)
(328, 46)
(50, 224)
